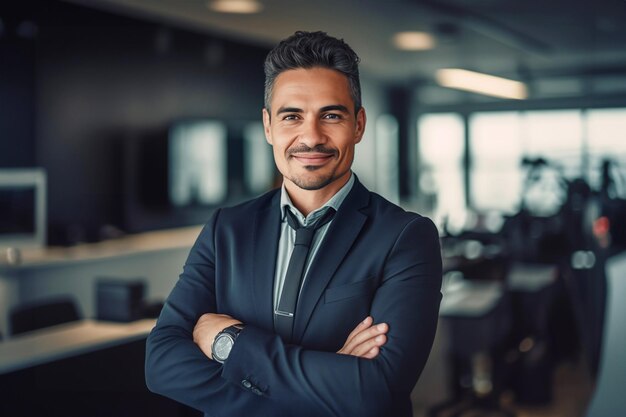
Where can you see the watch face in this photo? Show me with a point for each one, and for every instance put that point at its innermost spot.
(222, 347)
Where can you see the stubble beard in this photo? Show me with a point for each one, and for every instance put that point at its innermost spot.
(312, 184)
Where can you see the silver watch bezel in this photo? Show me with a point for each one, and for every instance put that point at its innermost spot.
(230, 333)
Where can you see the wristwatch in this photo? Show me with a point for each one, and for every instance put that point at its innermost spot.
(224, 341)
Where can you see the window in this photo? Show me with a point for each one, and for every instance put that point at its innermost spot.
(574, 144)
(441, 149)
(198, 163)
(259, 172)
(495, 155)
(557, 136)
(606, 140)
(500, 141)
(387, 171)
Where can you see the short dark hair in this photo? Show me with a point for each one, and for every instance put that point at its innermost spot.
(309, 50)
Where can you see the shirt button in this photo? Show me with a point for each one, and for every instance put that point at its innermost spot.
(247, 384)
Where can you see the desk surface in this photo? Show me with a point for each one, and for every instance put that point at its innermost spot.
(66, 340)
(181, 238)
(470, 299)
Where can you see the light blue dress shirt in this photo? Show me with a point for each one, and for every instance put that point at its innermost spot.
(288, 235)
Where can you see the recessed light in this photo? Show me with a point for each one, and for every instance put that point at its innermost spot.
(235, 6)
(413, 41)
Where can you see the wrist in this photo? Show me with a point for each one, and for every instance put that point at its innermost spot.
(224, 342)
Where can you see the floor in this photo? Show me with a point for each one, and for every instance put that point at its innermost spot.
(571, 385)
(572, 389)
(572, 393)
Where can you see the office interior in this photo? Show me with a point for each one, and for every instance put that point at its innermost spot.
(125, 123)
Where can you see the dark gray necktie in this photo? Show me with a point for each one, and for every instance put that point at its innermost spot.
(284, 314)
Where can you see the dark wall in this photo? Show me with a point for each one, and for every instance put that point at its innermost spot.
(102, 80)
(17, 91)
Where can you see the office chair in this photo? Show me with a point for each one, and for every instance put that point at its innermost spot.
(43, 313)
(478, 316)
(609, 399)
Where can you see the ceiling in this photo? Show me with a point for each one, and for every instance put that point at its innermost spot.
(516, 39)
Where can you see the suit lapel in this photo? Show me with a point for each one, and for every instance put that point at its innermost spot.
(339, 239)
(265, 244)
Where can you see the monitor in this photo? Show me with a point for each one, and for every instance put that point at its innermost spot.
(22, 208)
(198, 157)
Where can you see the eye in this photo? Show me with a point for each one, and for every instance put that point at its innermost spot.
(332, 116)
(289, 117)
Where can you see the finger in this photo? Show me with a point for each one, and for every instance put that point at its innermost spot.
(365, 347)
(360, 327)
(373, 352)
(366, 323)
(365, 335)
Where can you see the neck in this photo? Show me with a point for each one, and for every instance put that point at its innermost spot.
(307, 201)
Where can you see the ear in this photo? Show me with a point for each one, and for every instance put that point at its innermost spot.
(267, 125)
(361, 119)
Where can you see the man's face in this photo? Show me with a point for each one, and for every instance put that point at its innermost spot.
(312, 127)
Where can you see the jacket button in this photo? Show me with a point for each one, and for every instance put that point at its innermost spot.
(247, 384)
(257, 391)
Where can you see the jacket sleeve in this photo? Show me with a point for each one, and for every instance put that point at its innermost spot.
(175, 366)
(264, 374)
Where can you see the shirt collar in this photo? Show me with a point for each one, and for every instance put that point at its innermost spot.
(334, 202)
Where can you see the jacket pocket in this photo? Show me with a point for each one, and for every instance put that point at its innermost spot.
(352, 290)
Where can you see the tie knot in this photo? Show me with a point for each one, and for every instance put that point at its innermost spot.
(304, 234)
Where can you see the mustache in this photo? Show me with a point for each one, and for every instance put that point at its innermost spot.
(302, 148)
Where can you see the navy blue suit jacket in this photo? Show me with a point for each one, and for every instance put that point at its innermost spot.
(376, 259)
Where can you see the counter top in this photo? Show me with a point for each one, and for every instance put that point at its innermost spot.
(131, 244)
(67, 340)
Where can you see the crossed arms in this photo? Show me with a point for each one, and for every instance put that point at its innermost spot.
(267, 377)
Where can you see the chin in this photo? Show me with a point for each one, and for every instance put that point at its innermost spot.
(312, 184)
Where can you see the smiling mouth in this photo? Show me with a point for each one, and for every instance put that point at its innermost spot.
(312, 158)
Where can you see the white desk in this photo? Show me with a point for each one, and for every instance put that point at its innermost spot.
(67, 340)
(525, 277)
(470, 298)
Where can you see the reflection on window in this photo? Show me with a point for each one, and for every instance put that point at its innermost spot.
(258, 160)
(198, 163)
(441, 148)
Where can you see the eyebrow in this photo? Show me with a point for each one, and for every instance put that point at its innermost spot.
(333, 107)
(289, 110)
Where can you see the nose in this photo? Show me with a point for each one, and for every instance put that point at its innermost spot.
(312, 133)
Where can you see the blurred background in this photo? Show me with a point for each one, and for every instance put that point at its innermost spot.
(125, 123)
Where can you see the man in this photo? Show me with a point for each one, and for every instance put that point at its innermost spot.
(262, 323)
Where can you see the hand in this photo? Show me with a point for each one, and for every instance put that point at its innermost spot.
(207, 327)
(366, 339)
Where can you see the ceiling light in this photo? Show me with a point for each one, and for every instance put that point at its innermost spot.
(235, 6)
(477, 82)
(413, 41)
